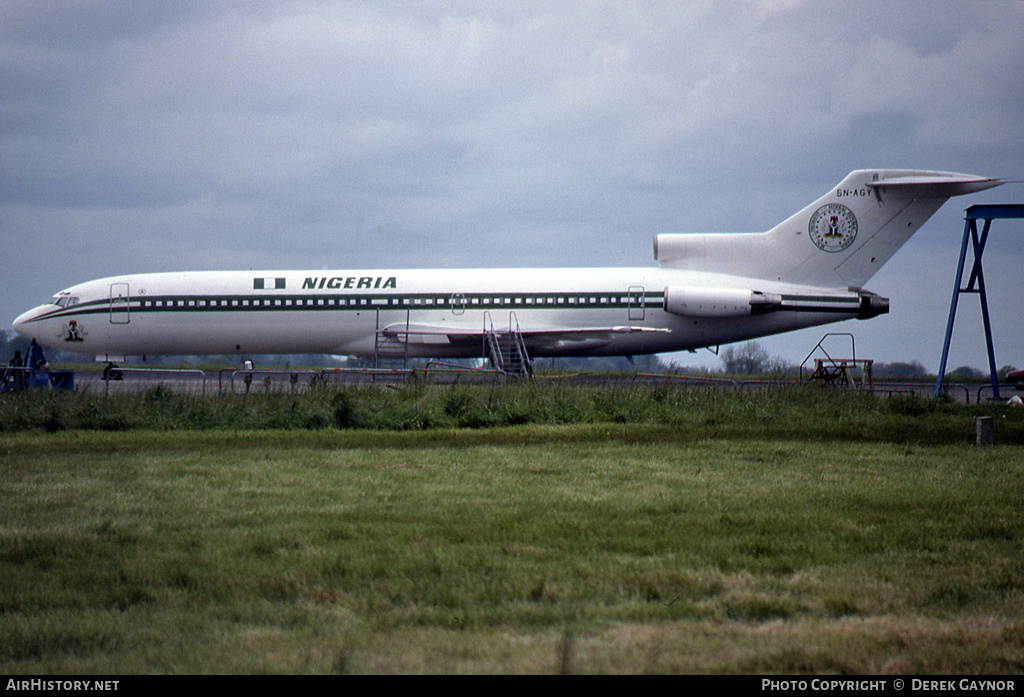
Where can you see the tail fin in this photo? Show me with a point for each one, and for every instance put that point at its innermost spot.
(840, 240)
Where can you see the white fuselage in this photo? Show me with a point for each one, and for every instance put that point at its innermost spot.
(437, 313)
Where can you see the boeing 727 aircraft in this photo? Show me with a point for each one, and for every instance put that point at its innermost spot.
(707, 290)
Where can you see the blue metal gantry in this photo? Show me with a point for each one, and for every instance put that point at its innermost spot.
(976, 281)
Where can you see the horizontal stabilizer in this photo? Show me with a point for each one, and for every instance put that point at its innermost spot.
(933, 185)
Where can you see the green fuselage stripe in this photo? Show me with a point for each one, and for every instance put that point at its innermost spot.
(454, 302)
(450, 302)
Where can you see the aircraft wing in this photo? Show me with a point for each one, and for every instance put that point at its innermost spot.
(546, 338)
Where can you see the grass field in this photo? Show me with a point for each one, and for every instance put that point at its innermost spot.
(714, 543)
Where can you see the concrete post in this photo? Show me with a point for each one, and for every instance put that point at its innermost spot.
(984, 430)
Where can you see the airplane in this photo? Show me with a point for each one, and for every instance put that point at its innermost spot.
(707, 289)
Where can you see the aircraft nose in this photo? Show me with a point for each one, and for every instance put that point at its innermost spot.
(22, 324)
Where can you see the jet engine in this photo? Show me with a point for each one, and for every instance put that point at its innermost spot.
(696, 301)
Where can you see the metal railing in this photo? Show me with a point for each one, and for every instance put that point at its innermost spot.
(699, 380)
(820, 347)
(1010, 386)
(117, 374)
(293, 380)
(447, 369)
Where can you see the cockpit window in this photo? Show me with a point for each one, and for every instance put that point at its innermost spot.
(64, 300)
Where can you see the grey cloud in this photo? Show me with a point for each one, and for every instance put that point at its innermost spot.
(472, 133)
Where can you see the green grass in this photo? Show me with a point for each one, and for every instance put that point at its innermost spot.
(802, 412)
(593, 547)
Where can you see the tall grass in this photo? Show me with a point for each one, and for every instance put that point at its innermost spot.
(793, 412)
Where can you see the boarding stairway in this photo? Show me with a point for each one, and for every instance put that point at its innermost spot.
(391, 349)
(506, 348)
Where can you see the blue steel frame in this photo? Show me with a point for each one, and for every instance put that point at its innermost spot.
(976, 281)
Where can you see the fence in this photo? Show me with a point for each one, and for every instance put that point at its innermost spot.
(246, 380)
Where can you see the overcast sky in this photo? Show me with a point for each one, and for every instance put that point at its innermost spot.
(156, 136)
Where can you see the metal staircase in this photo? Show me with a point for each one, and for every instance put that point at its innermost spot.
(840, 372)
(391, 348)
(506, 347)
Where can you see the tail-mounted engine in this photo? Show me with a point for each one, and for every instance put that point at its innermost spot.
(695, 301)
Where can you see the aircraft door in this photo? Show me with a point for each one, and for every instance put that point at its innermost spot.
(119, 303)
(636, 302)
(458, 303)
